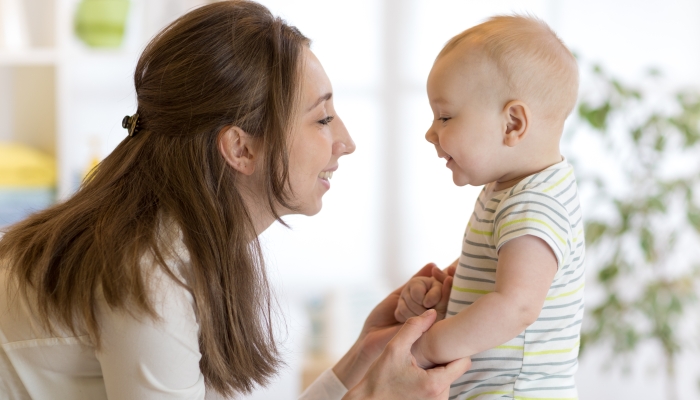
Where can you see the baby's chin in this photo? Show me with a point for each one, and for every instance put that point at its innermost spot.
(461, 180)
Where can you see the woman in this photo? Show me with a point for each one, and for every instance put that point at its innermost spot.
(149, 282)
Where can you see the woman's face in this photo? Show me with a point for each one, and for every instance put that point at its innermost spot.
(318, 140)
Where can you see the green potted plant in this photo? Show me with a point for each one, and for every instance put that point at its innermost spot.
(641, 225)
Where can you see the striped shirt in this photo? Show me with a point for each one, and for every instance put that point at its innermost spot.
(540, 362)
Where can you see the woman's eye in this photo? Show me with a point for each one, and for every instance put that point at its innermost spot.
(326, 120)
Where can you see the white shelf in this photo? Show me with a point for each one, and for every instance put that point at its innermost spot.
(28, 57)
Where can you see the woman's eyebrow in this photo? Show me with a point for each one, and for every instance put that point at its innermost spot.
(321, 99)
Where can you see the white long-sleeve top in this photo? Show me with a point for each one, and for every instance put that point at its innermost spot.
(140, 358)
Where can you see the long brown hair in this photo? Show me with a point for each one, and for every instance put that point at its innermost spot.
(227, 63)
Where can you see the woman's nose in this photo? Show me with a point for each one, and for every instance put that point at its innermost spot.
(343, 143)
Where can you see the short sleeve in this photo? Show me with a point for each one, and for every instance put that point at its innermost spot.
(536, 214)
(326, 387)
(143, 358)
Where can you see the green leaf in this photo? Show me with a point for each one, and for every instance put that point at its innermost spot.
(694, 218)
(656, 204)
(594, 231)
(636, 135)
(660, 143)
(646, 241)
(608, 274)
(596, 117)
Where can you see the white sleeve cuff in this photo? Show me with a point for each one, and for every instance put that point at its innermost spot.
(326, 387)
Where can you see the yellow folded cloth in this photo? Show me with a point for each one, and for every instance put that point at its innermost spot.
(24, 167)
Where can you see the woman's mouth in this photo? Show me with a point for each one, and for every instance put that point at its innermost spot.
(326, 175)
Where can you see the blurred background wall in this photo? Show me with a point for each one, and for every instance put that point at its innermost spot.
(393, 206)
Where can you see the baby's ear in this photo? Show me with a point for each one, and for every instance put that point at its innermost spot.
(238, 149)
(517, 122)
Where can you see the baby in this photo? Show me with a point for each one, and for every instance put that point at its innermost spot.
(500, 93)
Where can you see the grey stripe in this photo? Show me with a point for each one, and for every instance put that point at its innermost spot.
(496, 200)
(483, 207)
(563, 305)
(488, 246)
(467, 278)
(556, 318)
(539, 230)
(478, 257)
(567, 188)
(552, 199)
(575, 209)
(451, 313)
(477, 268)
(482, 380)
(574, 225)
(547, 388)
(552, 340)
(535, 373)
(461, 301)
(546, 377)
(572, 198)
(567, 266)
(569, 282)
(497, 359)
(531, 179)
(553, 173)
(572, 361)
(484, 221)
(556, 329)
(473, 371)
(537, 212)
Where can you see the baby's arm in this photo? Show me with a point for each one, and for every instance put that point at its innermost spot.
(526, 269)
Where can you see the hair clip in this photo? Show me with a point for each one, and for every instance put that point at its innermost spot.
(131, 123)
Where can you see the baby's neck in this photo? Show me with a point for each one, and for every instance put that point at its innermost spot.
(512, 178)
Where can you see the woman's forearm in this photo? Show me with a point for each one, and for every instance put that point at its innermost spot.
(352, 366)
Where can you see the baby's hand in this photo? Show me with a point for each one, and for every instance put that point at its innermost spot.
(422, 293)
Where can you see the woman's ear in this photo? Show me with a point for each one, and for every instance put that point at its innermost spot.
(238, 149)
(517, 122)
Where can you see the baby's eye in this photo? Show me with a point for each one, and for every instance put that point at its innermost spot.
(443, 119)
(326, 120)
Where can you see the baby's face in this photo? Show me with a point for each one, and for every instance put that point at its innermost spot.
(468, 123)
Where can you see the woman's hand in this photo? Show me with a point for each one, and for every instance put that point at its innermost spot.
(379, 328)
(395, 374)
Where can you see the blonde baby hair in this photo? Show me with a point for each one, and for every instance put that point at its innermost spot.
(538, 68)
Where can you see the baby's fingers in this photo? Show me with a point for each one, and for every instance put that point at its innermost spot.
(445, 291)
(434, 295)
(404, 311)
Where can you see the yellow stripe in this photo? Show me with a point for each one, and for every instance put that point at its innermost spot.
(540, 353)
(532, 220)
(481, 394)
(559, 181)
(510, 347)
(465, 290)
(567, 293)
(485, 233)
